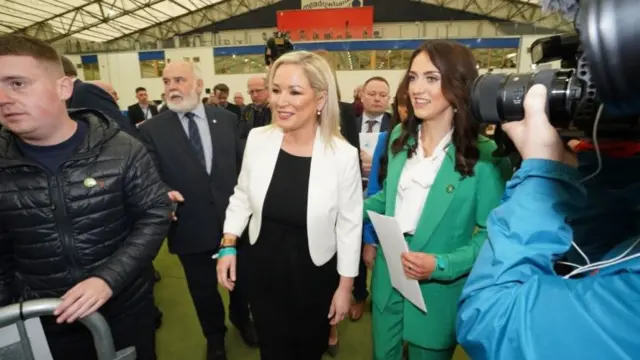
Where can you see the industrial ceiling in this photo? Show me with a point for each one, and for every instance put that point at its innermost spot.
(518, 11)
(106, 21)
(126, 21)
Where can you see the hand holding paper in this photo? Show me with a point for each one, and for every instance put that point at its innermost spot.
(368, 142)
(418, 265)
(394, 246)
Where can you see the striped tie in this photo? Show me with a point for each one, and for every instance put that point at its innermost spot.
(194, 138)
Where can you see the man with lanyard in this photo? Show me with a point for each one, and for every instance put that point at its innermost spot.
(142, 110)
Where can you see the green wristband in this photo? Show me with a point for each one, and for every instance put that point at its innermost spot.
(227, 251)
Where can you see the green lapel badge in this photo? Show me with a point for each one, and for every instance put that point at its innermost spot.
(90, 182)
(450, 188)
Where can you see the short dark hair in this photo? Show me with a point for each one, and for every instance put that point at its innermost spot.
(221, 87)
(20, 45)
(68, 67)
(140, 88)
(375, 78)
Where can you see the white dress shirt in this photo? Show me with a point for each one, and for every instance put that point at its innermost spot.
(146, 110)
(203, 127)
(376, 127)
(418, 174)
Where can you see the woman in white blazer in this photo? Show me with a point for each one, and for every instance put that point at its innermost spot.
(300, 192)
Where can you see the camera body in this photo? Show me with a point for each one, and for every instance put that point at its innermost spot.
(600, 69)
(276, 46)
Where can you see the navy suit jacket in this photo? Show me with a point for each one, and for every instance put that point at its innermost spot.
(89, 96)
(202, 214)
(384, 125)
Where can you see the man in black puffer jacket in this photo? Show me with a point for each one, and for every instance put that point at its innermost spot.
(83, 211)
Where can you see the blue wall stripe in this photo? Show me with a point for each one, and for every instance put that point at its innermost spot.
(89, 59)
(363, 45)
(151, 55)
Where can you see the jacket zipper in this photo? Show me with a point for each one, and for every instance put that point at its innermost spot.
(65, 230)
(64, 227)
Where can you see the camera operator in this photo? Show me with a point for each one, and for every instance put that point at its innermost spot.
(514, 305)
(276, 46)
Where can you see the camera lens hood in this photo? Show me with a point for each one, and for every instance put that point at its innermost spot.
(609, 30)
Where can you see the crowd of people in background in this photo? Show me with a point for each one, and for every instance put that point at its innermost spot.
(233, 189)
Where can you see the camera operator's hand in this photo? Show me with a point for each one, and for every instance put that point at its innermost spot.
(534, 136)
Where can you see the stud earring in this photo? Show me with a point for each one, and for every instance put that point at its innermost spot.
(318, 112)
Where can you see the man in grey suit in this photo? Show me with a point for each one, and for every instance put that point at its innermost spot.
(198, 152)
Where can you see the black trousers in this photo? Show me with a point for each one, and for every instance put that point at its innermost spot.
(200, 271)
(360, 292)
(135, 328)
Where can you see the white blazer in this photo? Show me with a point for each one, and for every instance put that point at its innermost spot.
(334, 210)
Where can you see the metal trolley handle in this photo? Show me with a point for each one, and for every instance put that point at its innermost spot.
(96, 324)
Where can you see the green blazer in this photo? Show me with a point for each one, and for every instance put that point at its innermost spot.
(452, 226)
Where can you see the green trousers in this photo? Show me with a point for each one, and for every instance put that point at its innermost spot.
(387, 335)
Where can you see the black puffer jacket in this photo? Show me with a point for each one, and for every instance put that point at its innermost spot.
(104, 214)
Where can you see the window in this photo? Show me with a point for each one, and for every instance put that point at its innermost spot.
(382, 59)
(90, 67)
(91, 71)
(151, 68)
(240, 64)
(496, 58)
(152, 63)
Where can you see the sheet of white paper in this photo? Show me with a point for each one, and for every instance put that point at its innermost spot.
(368, 142)
(393, 245)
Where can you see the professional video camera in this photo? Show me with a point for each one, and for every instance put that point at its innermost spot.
(277, 45)
(600, 65)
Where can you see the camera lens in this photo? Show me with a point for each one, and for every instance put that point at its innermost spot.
(500, 97)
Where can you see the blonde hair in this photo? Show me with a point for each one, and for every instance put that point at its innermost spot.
(322, 80)
(331, 61)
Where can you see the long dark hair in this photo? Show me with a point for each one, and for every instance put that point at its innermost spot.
(401, 98)
(457, 67)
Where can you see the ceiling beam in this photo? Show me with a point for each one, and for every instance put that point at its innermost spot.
(508, 10)
(167, 30)
(162, 34)
(80, 19)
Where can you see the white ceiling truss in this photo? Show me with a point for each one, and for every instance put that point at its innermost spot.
(525, 11)
(117, 23)
(112, 25)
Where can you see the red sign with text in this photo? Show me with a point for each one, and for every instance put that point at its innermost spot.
(327, 24)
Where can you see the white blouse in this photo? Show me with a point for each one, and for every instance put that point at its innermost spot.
(418, 174)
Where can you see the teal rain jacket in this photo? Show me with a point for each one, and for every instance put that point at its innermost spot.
(514, 306)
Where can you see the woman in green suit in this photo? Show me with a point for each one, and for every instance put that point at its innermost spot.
(442, 182)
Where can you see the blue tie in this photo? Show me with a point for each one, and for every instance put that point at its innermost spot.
(194, 138)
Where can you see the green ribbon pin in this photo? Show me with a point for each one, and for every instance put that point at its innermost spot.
(90, 182)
